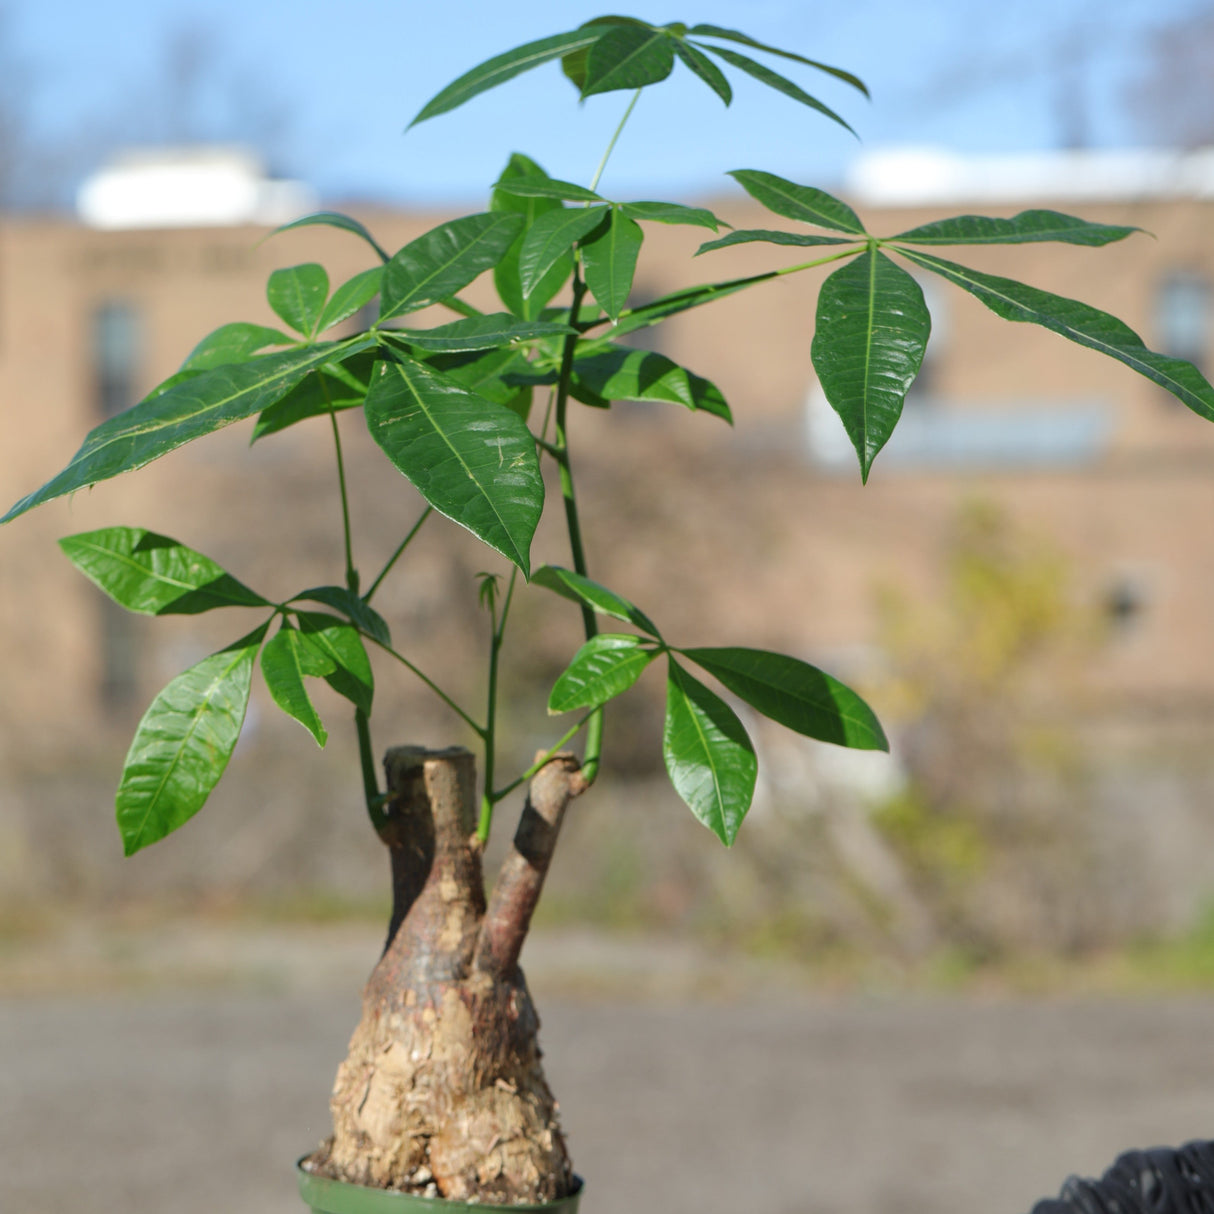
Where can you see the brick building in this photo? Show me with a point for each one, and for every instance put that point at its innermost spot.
(771, 540)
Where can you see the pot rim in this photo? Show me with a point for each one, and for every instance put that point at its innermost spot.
(320, 1191)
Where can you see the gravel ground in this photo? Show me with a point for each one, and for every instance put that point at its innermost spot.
(696, 1099)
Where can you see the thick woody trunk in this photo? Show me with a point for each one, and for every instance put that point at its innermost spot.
(442, 1090)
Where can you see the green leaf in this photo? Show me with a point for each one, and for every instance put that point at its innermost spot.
(507, 276)
(353, 294)
(362, 614)
(504, 67)
(704, 67)
(184, 743)
(582, 590)
(795, 694)
(341, 643)
(1026, 228)
(334, 387)
(297, 294)
(780, 83)
(709, 758)
(770, 236)
(154, 575)
(1080, 323)
(502, 376)
(628, 57)
(334, 219)
(234, 343)
(604, 667)
(574, 64)
(287, 657)
(550, 240)
(178, 377)
(444, 260)
(197, 406)
(672, 212)
(872, 330)
(799, 202)
(472, 460)
(486, 595)
(480, 333)
(716, 31)
(546, 187)
(621, 374)
(610, 261)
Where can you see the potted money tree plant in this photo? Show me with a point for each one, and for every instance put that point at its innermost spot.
(442, 1096)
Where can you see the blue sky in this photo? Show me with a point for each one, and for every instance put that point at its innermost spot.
(963, 74)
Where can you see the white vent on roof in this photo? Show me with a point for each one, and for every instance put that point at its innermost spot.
(188, 188)
(915, 176)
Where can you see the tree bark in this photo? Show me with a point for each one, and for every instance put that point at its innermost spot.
(522, 876)
(442, 1091)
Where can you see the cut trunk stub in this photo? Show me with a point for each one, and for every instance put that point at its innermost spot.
(442, 1092)
(526, 865)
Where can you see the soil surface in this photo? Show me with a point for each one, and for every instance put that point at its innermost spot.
(696, 1099)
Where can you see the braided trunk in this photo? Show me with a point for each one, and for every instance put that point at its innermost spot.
(442, 1091)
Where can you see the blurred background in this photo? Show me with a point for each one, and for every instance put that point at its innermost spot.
(1024, 590)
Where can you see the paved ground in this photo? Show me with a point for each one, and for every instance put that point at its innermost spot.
(192, 1101)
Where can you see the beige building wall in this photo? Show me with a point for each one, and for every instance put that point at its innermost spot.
(741, 537)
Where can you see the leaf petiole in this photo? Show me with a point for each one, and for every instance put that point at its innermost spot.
(497, 631)
(383, 573)
(351, 572)
(479, 730)
(823, 261)
(594, 735)
(543, 760)
(619, 130)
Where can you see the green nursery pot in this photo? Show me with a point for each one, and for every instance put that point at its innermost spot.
(326, 1196)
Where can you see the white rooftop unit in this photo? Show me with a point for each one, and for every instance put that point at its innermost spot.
(925, 176)
(188, 188)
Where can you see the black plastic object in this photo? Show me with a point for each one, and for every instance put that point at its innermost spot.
(1163, 1180)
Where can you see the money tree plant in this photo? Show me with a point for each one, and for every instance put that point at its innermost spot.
(442, 1091)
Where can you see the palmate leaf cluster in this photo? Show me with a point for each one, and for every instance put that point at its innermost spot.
(450, 405)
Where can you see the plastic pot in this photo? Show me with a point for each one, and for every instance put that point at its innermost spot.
(326, 1196)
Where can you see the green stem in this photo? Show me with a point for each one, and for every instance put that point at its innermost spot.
(383, 573)
(594, 731)
(501, 624)
(366, 758)
(362, 726)
(726, 287)
(820, 261)
(434, 687)
(594, 185)
(497, 632)
(547, 418)
(351, 572)
(559, 450)
(545, 758)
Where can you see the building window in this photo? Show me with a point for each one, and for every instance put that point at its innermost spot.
(925, 391)
(119, 657)
(1182, 317)
(115, 348)
(1125, 601)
